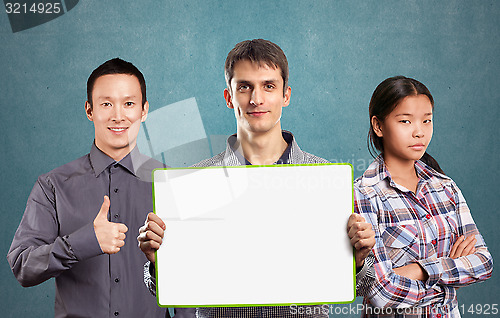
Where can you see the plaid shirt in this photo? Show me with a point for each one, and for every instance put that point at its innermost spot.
(292, 155)
(418, 227)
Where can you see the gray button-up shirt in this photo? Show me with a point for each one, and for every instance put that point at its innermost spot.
(56, 236)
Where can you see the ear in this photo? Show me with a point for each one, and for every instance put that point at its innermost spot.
(377, 126)
(145, 110)
(88, 111)
(228, 98)
(288, 94)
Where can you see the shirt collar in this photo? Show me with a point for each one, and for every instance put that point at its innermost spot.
(233, 153)
(100, 161)
(425, 172)
(377, 172)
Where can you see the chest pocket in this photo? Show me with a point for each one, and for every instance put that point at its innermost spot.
(402, 244)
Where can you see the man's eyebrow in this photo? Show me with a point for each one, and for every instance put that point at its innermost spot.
(270, 81)
(109, 97)
(102, 97)
(130, 97)
(242, 82)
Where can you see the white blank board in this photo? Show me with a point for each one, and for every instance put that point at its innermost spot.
(254, 235)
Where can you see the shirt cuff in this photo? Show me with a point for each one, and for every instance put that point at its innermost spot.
(152, 271)
(367, 268)
(361, 272)
(83, 242)
(434, 269)
(149, 277)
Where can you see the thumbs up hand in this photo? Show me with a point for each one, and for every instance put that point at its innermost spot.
(111, 236)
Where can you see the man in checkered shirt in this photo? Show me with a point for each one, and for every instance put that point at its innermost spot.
(257, 90)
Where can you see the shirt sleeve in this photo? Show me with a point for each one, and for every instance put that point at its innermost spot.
(37, 252)
(150, 281)
(365, 276)
(464, 270)
(149, 277)
(390, 289)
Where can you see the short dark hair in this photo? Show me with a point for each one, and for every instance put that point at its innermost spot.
(385, 98)
(257, 51)
(115, 66)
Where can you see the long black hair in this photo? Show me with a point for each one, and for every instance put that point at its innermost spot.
(385, 98)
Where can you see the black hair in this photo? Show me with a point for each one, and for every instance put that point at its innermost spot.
(385, 98)
(115, 66)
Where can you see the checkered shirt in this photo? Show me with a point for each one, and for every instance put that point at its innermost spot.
(231, 157)
(418, 227)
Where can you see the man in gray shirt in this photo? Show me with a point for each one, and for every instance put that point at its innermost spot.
(77, 215)
(257, 90)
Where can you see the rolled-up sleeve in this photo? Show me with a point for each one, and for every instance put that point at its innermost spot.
(464, 270)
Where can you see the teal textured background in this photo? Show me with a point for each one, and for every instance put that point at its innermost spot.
(338, 52)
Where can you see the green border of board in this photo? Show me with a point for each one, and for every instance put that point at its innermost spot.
(258, 166)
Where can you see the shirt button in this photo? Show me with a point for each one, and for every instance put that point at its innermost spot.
(428, 216)
(117, 280)
(117, 216)
(116, 313)
(116, 190)
(438, 315)
(433, 242)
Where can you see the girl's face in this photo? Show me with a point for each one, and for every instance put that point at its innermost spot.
(407, 130)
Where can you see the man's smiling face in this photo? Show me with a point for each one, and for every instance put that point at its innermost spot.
(117, 113)
(256, 95)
